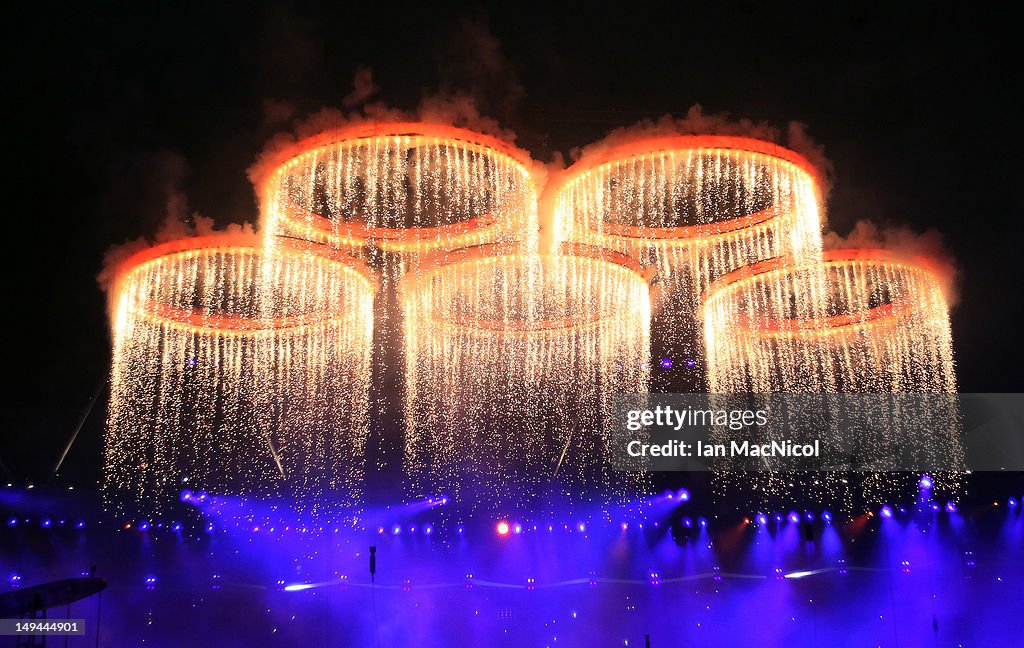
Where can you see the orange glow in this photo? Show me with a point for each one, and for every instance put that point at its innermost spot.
(403, 187)
(245, 369)
(517, 355)
(692, 208)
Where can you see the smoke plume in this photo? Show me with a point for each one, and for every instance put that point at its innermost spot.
(905, 244)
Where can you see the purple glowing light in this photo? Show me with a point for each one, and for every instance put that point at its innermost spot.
(951, 507)
(886, 511)
(666, 363)
(925, 482)
(684, 495)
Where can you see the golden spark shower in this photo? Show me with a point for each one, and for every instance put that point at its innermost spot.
(511, 362)
(863, 321)
(239, 371)
(401, 188)
(398, 297)
(694, 208)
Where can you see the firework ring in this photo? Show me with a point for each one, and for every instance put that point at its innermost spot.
(303, 222)
(610, 233)
(440, 266)
(888, 313)
(206, 321)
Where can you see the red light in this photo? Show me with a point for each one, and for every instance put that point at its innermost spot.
(502, 528)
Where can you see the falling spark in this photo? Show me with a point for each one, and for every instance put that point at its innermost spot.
(512, 359)
(863, 321)
(694, 208)
(403, 188)
(246, 371)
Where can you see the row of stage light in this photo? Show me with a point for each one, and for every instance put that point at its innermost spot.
(247, 363)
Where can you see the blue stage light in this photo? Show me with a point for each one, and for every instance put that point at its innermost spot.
(517, 528)
(762, 519)
(395, 530)
(46, 523)
(702, 522)
(951, 507)
(687, 522)
(144, 526)
(12, 522)
(1012, 502)
(827, 517)
(794, 517)
(666, 363)
(684, 495)
(186, 495)
(176, 526)
(886, 511)
(925, 482)
(581, 527)
(428, 530)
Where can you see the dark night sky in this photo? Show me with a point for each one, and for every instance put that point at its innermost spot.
(120, 106)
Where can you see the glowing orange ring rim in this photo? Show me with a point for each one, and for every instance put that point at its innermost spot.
(888, 312)
(686, 233)
(236, 243)
(358, 231)
(671, 143)
(437, 263)
(677, 143)
(351, 135)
